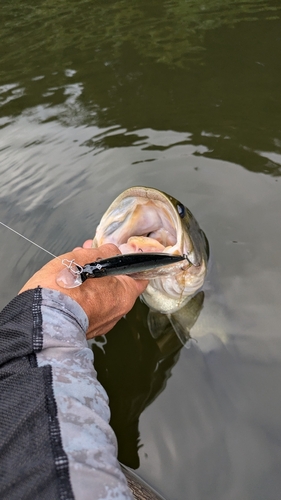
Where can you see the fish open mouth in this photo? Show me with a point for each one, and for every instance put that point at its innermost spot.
(141, 224)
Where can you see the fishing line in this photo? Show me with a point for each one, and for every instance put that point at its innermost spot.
(30, 241)
(67, 278)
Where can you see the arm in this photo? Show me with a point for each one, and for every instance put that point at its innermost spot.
(55, 438)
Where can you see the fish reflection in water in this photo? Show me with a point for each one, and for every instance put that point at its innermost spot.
(144, 219)
(136, 377)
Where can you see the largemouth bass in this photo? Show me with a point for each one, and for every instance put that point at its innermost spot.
(144, 219)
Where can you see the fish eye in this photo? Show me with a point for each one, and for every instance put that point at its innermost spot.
(181, 210)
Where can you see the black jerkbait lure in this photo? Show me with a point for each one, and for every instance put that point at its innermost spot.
(128, 264)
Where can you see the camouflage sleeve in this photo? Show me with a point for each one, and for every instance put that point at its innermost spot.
(55, 438)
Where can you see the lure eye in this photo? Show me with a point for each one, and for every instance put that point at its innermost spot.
(181, 210)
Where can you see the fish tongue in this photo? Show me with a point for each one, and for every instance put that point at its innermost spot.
(141, 244)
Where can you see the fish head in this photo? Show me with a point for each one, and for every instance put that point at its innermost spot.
(144, 219)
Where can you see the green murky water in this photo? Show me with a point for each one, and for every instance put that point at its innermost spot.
(183, 96)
